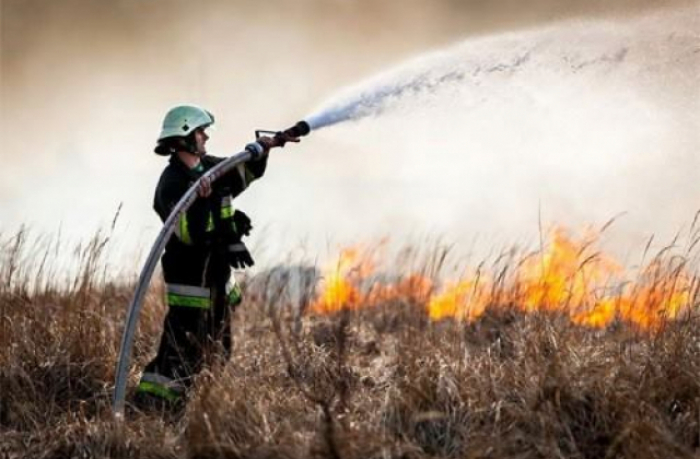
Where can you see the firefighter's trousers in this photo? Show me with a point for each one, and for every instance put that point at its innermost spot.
(192, 337)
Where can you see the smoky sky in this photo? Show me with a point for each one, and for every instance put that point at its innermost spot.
(72, 30)
(84, 85)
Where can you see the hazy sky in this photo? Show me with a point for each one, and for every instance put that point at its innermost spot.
(85, 85)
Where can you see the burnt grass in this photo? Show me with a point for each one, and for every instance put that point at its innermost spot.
(378, 382)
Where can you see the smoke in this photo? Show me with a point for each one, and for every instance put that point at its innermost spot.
(85, 84)
(579, 121)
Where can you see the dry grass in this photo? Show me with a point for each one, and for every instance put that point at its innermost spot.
(381, 382)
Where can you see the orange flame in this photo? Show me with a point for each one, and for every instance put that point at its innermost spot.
(566, 277)
(465, 300)
(661, 296)
(339, 292)
(414, 288)
(343, 285)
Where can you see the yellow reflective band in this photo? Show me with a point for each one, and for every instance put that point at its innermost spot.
(182, 231)
(158, 390)
(188, 301)
(226, 207)
(227, 212)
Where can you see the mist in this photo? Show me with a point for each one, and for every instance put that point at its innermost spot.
(85, 85)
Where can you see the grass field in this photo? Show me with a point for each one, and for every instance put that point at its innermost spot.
(558, 353)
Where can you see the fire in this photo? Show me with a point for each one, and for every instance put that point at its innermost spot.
(344, 280)
(414, 288)
(339, 291)
(565, 276)
(465, 300)
(568, 276)
(662, 295)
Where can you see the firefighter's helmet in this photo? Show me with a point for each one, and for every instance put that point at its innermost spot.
(182, 120)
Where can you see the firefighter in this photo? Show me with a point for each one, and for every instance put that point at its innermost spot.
(207, 241)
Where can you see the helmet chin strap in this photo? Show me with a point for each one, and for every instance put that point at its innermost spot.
(192, 146)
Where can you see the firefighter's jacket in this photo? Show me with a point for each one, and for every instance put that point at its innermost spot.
(195, 255)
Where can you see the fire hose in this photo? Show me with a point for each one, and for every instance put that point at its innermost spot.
(122, 370)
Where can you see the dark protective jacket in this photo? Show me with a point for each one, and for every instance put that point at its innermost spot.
(195, 255)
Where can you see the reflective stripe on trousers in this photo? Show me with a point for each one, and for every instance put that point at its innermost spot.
(160, 386)
(188, 296)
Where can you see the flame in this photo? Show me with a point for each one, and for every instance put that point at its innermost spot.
(568, 276)
(465, 300)
(565, 276)
(339, 292)
(600, 316)
(661, 296)
(343, 281)
(415, 288)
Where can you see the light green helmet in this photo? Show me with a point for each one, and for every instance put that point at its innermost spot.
(183, 119)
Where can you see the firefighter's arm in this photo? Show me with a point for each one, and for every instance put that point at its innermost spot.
(261, 151)
(240, 177)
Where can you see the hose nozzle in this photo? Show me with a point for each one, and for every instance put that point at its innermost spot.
(300, 129)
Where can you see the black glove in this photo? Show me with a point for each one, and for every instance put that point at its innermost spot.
(238, 255)
(241, 223)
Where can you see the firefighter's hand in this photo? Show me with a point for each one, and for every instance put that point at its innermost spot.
(239, 257)
(241, 223)
(204, 188)
(277, 141)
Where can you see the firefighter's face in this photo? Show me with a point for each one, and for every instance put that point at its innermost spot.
(200, 138)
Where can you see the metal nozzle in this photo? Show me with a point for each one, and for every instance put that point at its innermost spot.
(300, 129)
